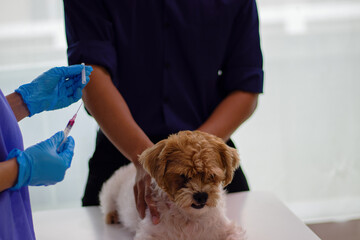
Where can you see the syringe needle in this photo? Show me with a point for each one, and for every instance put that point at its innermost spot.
(78, 108)
(68, 128)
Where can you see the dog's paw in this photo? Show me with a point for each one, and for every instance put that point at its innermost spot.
(236, 236)
(236, 233)
(112, 218)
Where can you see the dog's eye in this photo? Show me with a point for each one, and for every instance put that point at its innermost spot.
(184, 180)
(211, 177)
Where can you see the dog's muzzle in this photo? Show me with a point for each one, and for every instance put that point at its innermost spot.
(200, 199)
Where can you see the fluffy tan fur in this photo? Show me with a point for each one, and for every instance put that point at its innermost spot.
(188, 162)
(189, 171)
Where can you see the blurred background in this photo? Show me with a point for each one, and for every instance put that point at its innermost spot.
(302, 143)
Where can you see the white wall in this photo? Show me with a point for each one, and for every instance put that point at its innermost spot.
(32, 40)
(301, 143)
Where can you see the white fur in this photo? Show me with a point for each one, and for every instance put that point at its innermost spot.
(209, 223)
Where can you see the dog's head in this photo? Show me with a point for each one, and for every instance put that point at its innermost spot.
(191, 167)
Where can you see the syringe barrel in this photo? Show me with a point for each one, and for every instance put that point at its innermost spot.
(67, 131)
(83, 75)
(68, 128)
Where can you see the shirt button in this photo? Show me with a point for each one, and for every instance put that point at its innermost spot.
(166, 24)
(167, 65)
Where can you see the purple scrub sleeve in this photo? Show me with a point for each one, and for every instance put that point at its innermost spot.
(15, 210)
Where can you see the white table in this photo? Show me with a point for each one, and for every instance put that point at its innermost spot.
(261, 214)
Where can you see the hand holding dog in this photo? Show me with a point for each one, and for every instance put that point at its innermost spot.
(188, 173)
(142, 192)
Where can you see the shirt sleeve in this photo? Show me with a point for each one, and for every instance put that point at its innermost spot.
(242, 68)
(90, 34)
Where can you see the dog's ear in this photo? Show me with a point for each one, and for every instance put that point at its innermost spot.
(152, 163)
(229, 157)
(231, 161)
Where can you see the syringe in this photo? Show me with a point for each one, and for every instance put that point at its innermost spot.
(72, 120)
(68, 128)
(83, 76)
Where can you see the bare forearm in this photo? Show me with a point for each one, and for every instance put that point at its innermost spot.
(18, 106)
(8, 174)
(111, 112)
(230, 114)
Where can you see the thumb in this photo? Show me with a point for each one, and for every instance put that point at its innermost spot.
(67, 152)
(72, 70)
(77, 94)
(57, 138)
(155, 216)
(88, 70)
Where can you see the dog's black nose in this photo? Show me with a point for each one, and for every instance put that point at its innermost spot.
(200, 197)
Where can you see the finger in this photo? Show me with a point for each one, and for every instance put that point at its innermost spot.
(87, 81)
(80, 84)
(73, 84)
(65, 71)
(88, 70)
(72, 70)
(155, 216)
(71, 80)
(67, 152)
(69, 91)
(73, 95)
(77, 95)
(141, 205)
(57, 138)
(76, 81)
(140, 202)
(62, 87)
(76, 69)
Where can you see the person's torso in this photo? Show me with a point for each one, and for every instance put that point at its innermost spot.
(15, 211)
(169, 54)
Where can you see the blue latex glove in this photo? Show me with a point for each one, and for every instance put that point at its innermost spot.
(57, 88)
(41, 164)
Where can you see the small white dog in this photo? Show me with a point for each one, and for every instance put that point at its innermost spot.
(189, 171)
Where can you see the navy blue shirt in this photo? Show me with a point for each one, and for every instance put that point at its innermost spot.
(173, 61)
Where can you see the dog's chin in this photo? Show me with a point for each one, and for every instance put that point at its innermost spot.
(197, 209)
(198, 206)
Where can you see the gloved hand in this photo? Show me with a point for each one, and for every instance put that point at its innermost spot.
(57, 88)
(41, 164)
